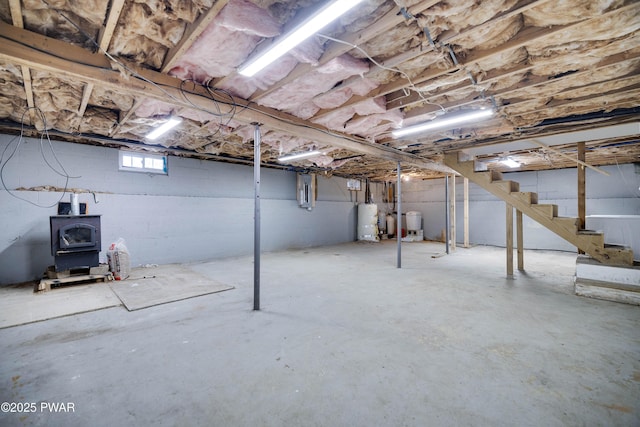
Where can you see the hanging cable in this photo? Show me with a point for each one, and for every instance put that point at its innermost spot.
(127, 68)
(44, 134)
(232, 102)
(395, 70)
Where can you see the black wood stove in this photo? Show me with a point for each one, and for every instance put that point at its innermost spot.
(75, 241)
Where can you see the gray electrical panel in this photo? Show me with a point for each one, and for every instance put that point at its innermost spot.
(307, 190)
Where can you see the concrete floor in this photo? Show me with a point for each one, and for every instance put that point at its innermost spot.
(344, 339)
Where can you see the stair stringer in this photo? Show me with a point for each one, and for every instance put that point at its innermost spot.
(567, 228)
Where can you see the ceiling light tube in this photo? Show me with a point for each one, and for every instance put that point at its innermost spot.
(164, 128)
(443, 122)
(299, 156)
(309, 27)
(510, 163)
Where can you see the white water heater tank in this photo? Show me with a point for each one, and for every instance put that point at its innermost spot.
(414, 221)
(391, 225)
(368, 222)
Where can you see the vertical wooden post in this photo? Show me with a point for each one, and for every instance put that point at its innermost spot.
(509, 240)
(466, 212)
(452, 215)
(582, 193)
(520, 240)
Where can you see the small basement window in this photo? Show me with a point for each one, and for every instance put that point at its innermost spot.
(143, 162)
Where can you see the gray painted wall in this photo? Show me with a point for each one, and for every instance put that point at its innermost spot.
(201, 210)
(204, 209)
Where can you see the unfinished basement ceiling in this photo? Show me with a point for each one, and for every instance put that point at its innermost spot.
(108, 72)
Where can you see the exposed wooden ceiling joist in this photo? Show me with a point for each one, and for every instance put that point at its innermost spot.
(526, 36)
(74, 62)
(495, 76)
(16, 17)
(104, 38)
(445, 39)
(549, 67)
(570, 81)
(191, 34)
(335, 49)
(109, 27)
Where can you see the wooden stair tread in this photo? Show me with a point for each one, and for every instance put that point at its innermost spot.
(590, 232)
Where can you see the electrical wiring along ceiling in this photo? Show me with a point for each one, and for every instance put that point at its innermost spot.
(108, 72)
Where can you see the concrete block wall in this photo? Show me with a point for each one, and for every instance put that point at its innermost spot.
(201, 210)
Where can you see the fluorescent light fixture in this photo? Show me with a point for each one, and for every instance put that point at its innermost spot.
(164, 128)
(510, 163)
(299, 156)
(309, 27)
(443, 122)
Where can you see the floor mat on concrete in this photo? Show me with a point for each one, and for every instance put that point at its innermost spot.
(149, 286)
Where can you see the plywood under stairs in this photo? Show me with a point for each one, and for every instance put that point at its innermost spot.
(590, 242)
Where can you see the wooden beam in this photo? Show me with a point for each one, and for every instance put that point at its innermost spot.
(191, 34)
(86, 94)
(109, 27)
(125, 117)
(630, 80)
(335, 49)
(561, 154)
(28, 88)
(150, 84)
(582, 193)
(416, 51)
(16, 13)
(520, 241)
(16, 18)
(524, 37)
(509, 238)
(104, 40)
(522, 6)
(403, 101)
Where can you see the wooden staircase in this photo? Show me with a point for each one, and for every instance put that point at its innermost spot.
(590, 242)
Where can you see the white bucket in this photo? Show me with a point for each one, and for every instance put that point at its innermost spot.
(391, 225)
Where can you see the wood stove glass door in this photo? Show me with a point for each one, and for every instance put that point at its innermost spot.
(77, 236)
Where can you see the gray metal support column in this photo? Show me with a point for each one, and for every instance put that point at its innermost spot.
(399, 218)
(256, 218)
(446, 209)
